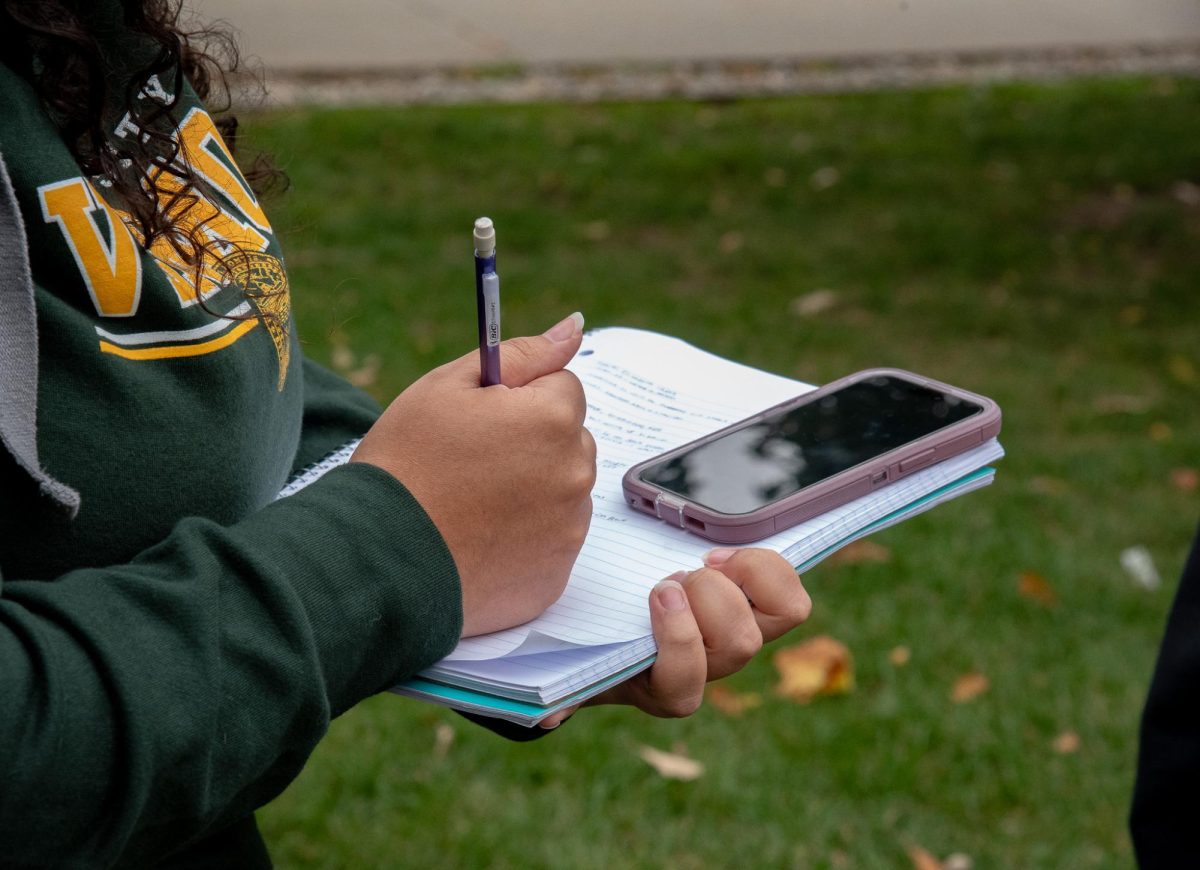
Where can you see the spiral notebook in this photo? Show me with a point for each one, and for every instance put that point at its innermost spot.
(646, 393)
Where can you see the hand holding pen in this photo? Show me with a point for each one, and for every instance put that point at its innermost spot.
(487, 302)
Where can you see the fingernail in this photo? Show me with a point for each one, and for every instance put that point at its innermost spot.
(719, 556)
(565, 328)
(670, 593)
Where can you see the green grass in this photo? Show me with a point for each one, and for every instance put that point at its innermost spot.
(1029, 242)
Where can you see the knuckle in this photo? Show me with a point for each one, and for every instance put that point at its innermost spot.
(579, 530)
(746, 642)
(573, 531)
(571, 384)
(589, 445)
(703, 576)
(561, 418)
(801, 606)
(682, 707)
(585, 476)
(521, 348)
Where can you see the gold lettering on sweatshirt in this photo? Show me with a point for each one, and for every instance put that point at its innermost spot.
(104, 250)
(220, 237)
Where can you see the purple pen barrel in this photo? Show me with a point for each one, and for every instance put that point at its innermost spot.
(487, 302)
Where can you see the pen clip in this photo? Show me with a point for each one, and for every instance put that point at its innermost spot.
(491, 308)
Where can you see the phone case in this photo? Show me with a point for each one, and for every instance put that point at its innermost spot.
(827, 494)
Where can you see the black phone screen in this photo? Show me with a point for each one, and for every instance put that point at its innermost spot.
(772, 458)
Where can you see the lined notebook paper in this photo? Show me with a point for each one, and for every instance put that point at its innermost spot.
(647, 393)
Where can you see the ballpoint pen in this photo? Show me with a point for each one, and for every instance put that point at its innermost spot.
(487, 302)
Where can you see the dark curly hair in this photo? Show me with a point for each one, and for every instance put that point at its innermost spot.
(65, 50)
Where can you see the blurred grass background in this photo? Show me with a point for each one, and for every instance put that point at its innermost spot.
(1036, 243)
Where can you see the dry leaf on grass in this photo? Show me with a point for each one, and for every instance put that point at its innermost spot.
(820, 666)
(730, 242)
(1160, 431)
(731, 702)
(1139, 565)
(1122, 403)
(923, 859)
(813, 303)
(1044, 485)
(825, 178)
(1185, 479)
(344, 360)
(899, 656)
(969, 686)
(365, 375)
(596, 231)
(1131, 315)
(1035, 587)
(1182, 370)
(341, 357)
(671, 765)
(1066, 743)
(443, 736)
(860, 552)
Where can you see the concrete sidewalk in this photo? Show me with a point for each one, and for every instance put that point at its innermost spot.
(388, 34)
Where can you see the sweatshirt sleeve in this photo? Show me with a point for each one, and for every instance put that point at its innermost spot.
(335, 411)
(145, 703)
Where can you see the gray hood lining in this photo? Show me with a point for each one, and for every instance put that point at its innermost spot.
(19, 350)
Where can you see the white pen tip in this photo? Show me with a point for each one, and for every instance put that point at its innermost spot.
(485, 237)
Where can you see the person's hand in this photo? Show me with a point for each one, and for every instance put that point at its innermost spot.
(708, 624)
(504, 472)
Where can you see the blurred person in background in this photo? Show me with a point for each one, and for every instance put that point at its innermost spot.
(173, 640)
(1163, 818)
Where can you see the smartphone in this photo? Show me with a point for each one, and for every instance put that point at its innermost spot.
(810, 454)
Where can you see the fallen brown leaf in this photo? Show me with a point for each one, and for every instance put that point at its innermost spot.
(1185, 479)
(825, 178)
(860, 552)
(813, 303)
(366, 374)
(1182, 370)
(969, 686)
(1186, 193)
(1048, 485)
(1122, 403)
(443, 736)
(1139, 565)
(341, 357)
(730, 242)
(819, 666)
(1160, 431)
(1066, 743)
(596, 231)
(671, 765)
(899, 656)
(922, 859)
(731, 702)
(1035, 587)
(1132, 315)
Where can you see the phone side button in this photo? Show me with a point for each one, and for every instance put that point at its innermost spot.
(917, 461)
(675, 507)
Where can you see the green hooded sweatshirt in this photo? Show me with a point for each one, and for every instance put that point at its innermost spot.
(173, 641)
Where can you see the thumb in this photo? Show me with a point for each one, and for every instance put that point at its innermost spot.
(528, 358)
(676, 680)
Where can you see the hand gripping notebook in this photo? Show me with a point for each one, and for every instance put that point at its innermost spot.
(647, 393)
